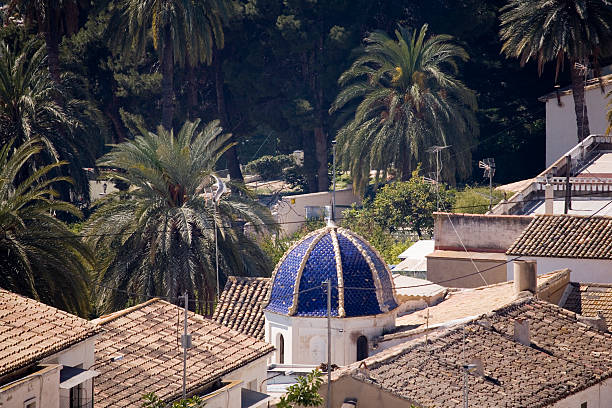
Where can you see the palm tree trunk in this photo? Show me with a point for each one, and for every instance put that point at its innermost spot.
(320, 139)
(167, 68)
(192, 90)
(582, 118)
(231, 155)
(52, 38)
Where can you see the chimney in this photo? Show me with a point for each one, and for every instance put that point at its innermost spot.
(525, 273)
(521, 332)
(549, 199)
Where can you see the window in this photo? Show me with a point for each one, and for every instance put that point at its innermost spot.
(75, 396)
(362, 348)
(30, 403)
(281, 349)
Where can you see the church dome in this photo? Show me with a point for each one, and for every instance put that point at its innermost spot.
(361, 281)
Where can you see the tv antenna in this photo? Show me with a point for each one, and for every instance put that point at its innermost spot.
(489, 171)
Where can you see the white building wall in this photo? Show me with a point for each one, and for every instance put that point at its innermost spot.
(41, 387)
(290, 211)
(561, 126)
(306, 337)
(225, 397)
(597, 396)
(252, 375)
(583, 270)
(80, 355)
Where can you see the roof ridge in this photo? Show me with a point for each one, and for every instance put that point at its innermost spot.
(102, 320)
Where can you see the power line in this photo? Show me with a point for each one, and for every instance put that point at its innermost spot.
(588, 194)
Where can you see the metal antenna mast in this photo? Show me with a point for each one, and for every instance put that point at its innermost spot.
(328, 343)
(436, 150)
(489, 170)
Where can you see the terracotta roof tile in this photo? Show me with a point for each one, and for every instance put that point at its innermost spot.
(589, 298)
(148, 338)
(30, 331)
(564, 357)
(565, 236)
(468, 303)
(241, 305)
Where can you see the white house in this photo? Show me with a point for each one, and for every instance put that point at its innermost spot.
(139, 351)
(363, 303)
(582, 244)
(561, 129)
(45, 355)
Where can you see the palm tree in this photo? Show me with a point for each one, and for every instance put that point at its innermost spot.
(559, 30)
(182, 30)
(39, 256)
(157, 238)
(31, 108)
(406, 99)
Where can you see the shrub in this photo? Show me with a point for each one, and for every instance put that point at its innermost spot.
(270, 167)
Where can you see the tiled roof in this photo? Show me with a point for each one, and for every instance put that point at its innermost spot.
(589, 298)
(148, 338)
(361, 280)
(30, 331)
(566, 236)
(241, 305)
(564, 357)
(467, 303)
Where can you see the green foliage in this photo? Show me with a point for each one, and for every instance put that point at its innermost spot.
(32, 105)
(553, 30)
(410, 205)
(305, 393)
(157, 238)
(153, 401)
(270, 167)
(361, 221)
(473, 200)
(276, 247)
(404, 98)
(40, 257)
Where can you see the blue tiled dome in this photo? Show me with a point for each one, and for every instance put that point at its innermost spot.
(361, 282)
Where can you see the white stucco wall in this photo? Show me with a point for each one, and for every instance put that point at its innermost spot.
(561, 126)
(226, 397)
(80, 355)
(306, 337)
(597, 396)
(583, 270)
(290, 211)
(41, 387)
(252, 375)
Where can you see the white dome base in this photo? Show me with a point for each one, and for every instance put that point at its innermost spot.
(304, 339)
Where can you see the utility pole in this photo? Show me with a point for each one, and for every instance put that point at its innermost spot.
(186, 342)
(436, 150)
(329, 343)
(221, 188)
(333, 214)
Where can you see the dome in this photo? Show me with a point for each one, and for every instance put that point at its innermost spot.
(361, 282)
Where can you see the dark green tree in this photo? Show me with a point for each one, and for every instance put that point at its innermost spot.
(32, 105)
(410, 205)
(577, 31)
(181, 30)
(39, 256)
(406, 100)
(157, 238)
